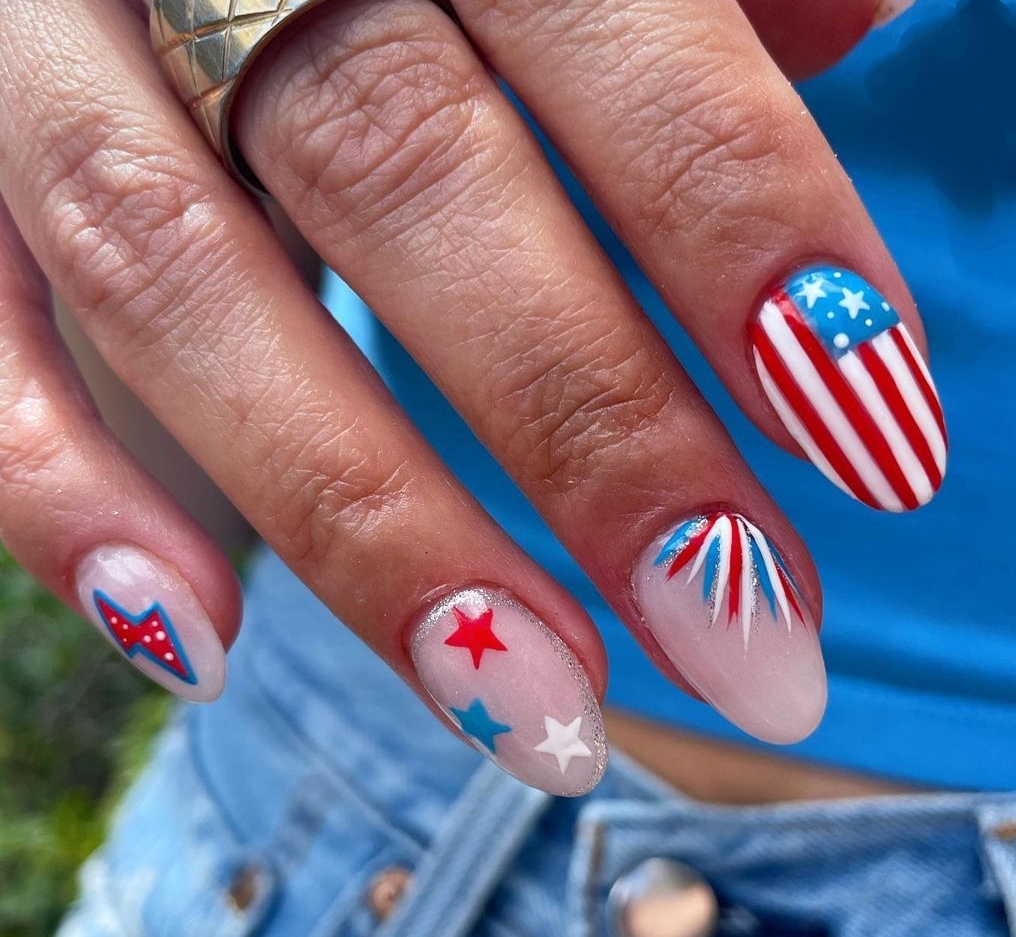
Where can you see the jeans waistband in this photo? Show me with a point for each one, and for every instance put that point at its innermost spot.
(928, 864)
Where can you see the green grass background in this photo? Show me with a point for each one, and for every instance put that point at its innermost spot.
(76, 724)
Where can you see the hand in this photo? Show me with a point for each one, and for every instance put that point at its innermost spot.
(380, 131)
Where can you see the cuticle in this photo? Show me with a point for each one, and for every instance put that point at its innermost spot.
(433, 608)
(438, 596)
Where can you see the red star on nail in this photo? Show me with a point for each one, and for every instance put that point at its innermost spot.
(477, 634)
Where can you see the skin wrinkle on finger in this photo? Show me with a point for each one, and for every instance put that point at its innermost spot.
(322, 509)
(373, 67)
(594, 392)
(130, 230)
(131, 222)
(134, 228)
(384, 123)
(337, 519)
(693, 153)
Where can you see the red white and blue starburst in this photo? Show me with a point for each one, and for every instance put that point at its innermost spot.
(738, 568)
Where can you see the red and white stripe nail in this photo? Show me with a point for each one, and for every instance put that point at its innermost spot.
(849, 384)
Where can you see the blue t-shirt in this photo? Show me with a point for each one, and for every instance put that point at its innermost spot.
(919, 630)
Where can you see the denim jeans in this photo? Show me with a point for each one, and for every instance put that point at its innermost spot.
(272, 812)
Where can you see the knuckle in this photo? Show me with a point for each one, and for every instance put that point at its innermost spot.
(121, 205)
(380, 114)
(36, 447)
(712, 149)
(572, 422)
(129, 223)
(328, 518)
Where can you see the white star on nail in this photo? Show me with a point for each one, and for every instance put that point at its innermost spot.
(563, 741)
(812, 290)
(853, 302)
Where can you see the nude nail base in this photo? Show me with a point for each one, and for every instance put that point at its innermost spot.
(145, 608)
(513, 688)
(720, 602)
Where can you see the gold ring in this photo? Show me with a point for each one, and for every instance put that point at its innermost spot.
(206, 46)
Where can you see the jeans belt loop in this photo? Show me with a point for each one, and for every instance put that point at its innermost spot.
(486, 828)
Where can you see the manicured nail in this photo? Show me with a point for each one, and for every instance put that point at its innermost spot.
(888, 10)
(723, 607)
(846, 379)
(151, 614)
(514, 689)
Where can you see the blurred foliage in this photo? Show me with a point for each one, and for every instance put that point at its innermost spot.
(75, 726)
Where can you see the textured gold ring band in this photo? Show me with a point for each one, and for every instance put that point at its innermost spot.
(206, 46)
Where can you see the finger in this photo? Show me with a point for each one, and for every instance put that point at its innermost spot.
(176, 278)
(383, 136)
(705, 161)
(86, 520)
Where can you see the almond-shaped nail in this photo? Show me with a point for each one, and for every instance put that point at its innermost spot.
(513, 688)
(723, 607)
(145, 607)
(851, 387)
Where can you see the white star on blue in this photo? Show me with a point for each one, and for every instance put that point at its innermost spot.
(843, 309)
(476, 722)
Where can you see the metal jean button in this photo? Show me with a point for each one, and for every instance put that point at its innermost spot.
(662, 898)
(385, 890)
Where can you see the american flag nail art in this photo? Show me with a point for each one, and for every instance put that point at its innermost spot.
(849, 384)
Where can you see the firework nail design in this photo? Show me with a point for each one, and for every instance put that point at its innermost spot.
(722, 605)
(151, 614)
(736, 563)
(513, 688)
(846, 379)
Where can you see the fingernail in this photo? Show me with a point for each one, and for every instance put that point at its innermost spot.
(150, 613)
(513, 688)
(724, 608)
(846, 379)
(888, 10)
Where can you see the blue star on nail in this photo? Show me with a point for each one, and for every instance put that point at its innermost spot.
(476, 722)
